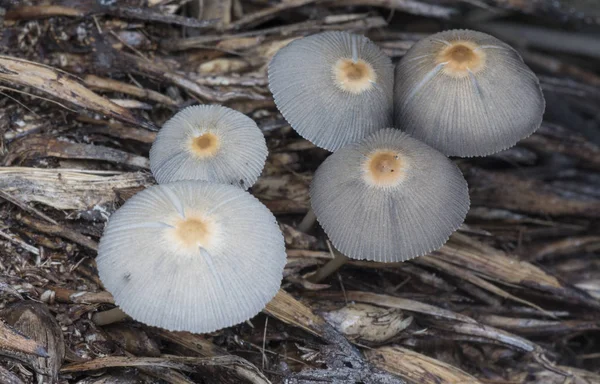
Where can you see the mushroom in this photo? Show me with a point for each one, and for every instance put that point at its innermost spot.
(466, 93)
(192, 256)
(333, 88)
(388, 198)
(211, 143)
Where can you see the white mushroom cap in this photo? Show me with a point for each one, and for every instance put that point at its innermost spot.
(466, 93)
(192, 256)
(333, 87)
(209, 142)
(389, 198)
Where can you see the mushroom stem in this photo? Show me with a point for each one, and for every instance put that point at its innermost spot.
(354, 50)
(332, 266)
(308, 221)
(108, 317)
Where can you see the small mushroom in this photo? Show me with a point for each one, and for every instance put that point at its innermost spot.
(333, 87)
(211, 143)
(388, 198)
(466, 93)
(192, 256)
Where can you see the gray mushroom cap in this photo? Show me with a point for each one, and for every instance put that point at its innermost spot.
(192, 256)
(388, 198)
(466, 93)
(209, 142)
(333, 88)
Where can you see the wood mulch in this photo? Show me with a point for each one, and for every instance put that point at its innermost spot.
(513, 297)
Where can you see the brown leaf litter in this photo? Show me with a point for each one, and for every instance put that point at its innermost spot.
(513, 297)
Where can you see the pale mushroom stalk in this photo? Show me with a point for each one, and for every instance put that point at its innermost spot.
(354, 50)
(308, 221)
(110, 316)
(332, 266)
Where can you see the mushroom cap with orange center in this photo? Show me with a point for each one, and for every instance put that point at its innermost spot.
(192, 256)
(388, 198)
(466, 93)
(209, 142)
(333, 88)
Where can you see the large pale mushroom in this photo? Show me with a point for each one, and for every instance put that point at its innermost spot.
(333, 87)
(466, 93)
(192, 256)
(388, 198)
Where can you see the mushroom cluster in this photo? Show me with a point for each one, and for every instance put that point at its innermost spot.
(196, 252)
(388, 192)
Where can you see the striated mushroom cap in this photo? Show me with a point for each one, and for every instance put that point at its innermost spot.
(333, 87)
(192, 256)
(209, 142)
(466, 93)
(388, 198)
